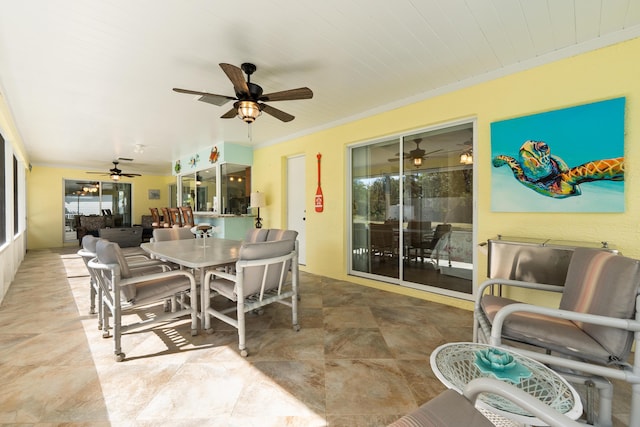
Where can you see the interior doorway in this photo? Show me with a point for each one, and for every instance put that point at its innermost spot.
(296, 198)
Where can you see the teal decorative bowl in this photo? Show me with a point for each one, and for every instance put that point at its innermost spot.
(501, 365)
(498, 360)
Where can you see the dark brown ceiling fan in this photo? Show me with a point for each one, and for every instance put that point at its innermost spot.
(249, 97)
(417, 155)
(116, 173)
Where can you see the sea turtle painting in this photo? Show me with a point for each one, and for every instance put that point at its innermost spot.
(547, 174)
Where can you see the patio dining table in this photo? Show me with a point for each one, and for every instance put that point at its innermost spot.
(198, 254)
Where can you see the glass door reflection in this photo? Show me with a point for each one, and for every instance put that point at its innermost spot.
(412, 209)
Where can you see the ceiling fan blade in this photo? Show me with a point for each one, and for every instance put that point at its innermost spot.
(130, 175)
(230, 114)
(99, 173)
(218, 100)
(287, 95)
(189, 92)
(431, 152)
(237, 78)
(278, 114)
(210, 98)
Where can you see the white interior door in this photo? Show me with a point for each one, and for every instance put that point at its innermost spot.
(296, 197)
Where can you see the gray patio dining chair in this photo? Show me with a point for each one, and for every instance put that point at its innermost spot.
(124, 289)
(266, 272)
(136, 261)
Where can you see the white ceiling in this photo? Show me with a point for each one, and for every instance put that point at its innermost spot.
(87, 80)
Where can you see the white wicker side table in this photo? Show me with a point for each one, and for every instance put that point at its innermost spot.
(456, 364)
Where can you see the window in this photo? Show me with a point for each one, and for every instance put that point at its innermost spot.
(200, 189)
(412, 209)
(16, 217)
(3, 198)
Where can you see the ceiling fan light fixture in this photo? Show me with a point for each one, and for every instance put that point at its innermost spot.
(466, 158)
(417, 161)
(115, 177)
(248, 111)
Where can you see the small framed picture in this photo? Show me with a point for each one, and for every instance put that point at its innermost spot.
(154, 194)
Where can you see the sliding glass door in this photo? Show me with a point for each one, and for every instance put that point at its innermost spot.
(412, 209)
(375, 195)
(95, 198)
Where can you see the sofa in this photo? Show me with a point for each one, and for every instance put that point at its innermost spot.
(125, 237)
(89, 224)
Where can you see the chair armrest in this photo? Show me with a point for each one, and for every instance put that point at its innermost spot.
(147, 263)
(83, 253)
(263, 261)
(136, 256)
(514, 283)
(94, 263)
(519, 284)
(501, 315)
(220, 274)
(521, 398)
(154, 276)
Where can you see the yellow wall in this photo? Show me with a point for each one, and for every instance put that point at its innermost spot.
(45, 194)
(602, 74)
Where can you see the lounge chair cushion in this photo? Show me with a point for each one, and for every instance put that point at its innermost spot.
(449, 408)
(588, 288)
(154, 290)
(556, 334)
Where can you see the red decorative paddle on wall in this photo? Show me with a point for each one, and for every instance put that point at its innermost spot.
(319, 197)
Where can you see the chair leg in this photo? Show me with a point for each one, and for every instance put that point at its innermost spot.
(634, 417)
(605, 410)
(294, 308)
(92, 297)
(117, 332)
(241, 328)
(605, 392)
(100, 308)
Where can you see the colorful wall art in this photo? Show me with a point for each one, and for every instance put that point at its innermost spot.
(568, 160)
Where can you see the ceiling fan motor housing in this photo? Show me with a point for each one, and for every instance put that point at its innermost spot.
(255, 92)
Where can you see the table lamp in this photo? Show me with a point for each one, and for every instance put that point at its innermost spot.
(258, 201)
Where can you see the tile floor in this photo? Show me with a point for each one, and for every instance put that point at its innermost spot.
(360, 359)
